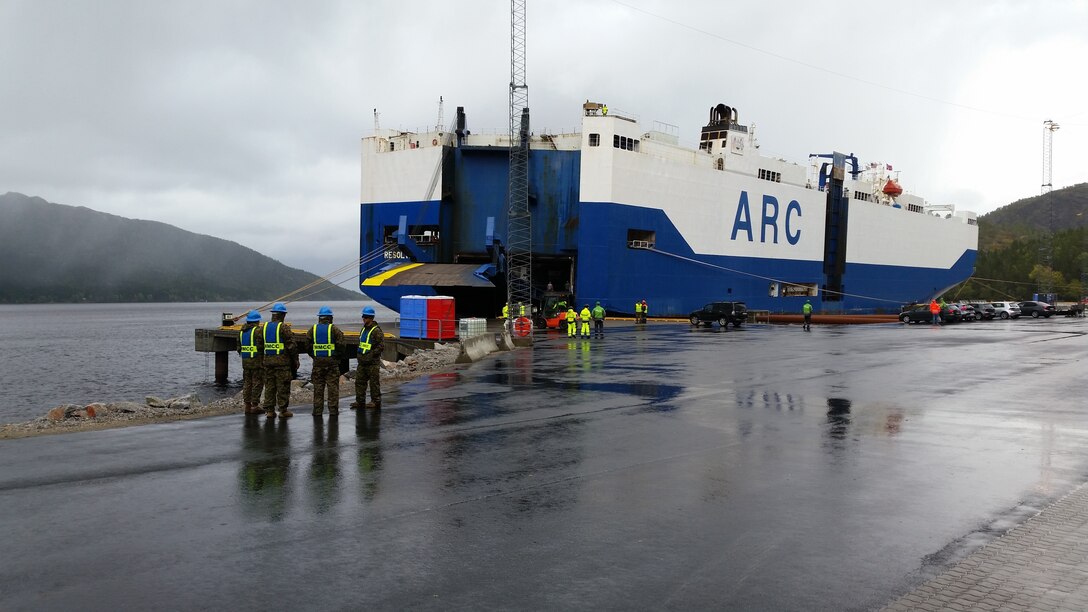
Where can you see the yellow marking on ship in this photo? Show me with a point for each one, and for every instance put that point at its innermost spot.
(384, 276)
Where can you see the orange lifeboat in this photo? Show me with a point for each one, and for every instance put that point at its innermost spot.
(892, 188)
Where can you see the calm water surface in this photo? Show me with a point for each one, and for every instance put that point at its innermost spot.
(81, 353)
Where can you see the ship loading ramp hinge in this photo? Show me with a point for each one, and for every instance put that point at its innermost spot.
(408, 245)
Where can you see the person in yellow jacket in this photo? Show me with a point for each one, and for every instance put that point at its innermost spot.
(584, 318)
(506, 311)
(571, 325)
(638, 312)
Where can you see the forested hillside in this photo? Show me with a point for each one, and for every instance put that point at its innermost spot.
(1015, 242)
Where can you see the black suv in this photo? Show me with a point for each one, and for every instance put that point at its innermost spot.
(722, 312)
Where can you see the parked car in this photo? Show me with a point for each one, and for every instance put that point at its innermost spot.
(1007, 310)
(951, 313)
(1036, 309)
(967, 312)
(984, 311)
(919, 313)
(723, 313)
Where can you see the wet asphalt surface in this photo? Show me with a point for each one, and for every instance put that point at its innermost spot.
(661, 468)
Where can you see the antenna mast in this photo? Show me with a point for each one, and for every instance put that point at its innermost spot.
(519, 262)
(438, 128)
(377, 141)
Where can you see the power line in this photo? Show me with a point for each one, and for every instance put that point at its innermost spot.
(786, 58)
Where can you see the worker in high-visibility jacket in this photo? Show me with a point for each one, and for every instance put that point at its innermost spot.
(584, 317)
(638, 312)
(572, 325)
(521, 309)
(326, 371)
(506, 310)
(279, 354)
(251, 348)
(598, 321)
(368, 370)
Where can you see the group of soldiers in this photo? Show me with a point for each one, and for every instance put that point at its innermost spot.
(573, 318)
(270, 358)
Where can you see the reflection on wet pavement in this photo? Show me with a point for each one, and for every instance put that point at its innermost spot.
(663, 467)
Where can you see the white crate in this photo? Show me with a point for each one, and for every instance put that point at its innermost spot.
(471, 327)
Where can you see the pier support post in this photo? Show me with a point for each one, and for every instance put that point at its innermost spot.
(221, 363)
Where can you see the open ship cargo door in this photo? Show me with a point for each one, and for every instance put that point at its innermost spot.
(468, 284)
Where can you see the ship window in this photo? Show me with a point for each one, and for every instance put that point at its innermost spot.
(709, 146)
(391, 145)
(770, 175)
(641, 239)
(721, 164)
(594, 140)
(861, 195)
(623, 142)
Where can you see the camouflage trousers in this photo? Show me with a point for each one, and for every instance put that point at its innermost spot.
(277, 387)
(252, 382)
(368, 375)
(326, 375)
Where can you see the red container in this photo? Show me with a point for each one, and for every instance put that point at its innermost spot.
(441, 318)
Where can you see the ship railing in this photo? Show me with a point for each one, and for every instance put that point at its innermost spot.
(423, 238)
(640, 244)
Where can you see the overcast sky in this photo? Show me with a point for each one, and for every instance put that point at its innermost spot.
(242, 119)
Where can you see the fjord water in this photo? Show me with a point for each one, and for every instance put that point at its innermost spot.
(80, 353)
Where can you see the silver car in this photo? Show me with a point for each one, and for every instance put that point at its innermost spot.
(1006, 310)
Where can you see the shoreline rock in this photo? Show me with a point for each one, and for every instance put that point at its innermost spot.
(68, 418)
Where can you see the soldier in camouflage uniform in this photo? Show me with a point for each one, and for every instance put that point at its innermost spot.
(279, 348)
(326, 373)
(251, 348)
(368, 374)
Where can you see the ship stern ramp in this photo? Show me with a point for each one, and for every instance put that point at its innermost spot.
(468, 284)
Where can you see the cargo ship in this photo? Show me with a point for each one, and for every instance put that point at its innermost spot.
(622, 213)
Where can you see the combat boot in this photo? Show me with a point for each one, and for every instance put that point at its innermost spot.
(253, 410)
(286, 414)
(270, 413)
(354, 406)
(374, 405)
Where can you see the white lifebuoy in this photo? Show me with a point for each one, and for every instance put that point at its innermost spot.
(434, 141)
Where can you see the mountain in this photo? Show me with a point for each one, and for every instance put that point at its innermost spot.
(1016, 241)
(1059, 210)
(57, 253)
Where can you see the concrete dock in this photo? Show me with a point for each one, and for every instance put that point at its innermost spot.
(663, 467)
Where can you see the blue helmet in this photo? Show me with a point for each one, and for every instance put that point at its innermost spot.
(368, 311)
(253, 317)
(324, 312)
(279, 307)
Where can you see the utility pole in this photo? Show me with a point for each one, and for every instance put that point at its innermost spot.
(519, 234)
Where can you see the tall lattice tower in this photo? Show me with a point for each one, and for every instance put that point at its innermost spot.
(1049, 127)
(1046, 287)
(519, 240)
